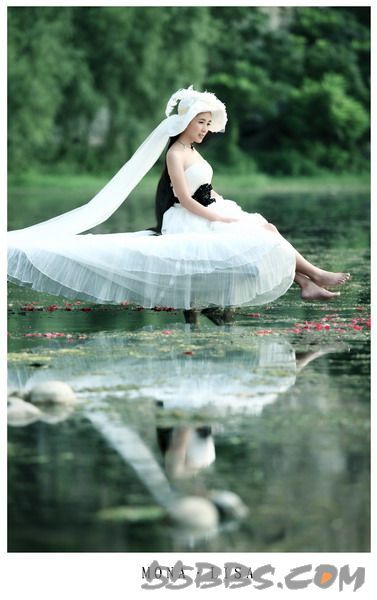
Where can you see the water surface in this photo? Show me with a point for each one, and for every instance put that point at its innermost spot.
(273, 406)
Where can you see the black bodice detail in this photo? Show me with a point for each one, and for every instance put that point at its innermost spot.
(202, 195)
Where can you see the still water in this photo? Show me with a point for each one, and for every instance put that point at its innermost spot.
(271, 404)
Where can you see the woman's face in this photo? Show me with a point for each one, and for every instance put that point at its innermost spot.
(198, 127)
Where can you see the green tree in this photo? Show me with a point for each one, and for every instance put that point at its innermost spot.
(277, 73)
(129, 53)
(39, 67)
(87, 84)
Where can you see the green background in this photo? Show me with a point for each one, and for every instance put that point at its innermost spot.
(87, 84)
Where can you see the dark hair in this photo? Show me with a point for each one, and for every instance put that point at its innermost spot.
(164, 194)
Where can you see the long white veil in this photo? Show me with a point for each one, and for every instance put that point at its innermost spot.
(113, 194)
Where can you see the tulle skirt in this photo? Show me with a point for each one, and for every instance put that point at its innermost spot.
(196, 263)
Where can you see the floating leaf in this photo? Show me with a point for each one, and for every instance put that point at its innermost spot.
(130, 514)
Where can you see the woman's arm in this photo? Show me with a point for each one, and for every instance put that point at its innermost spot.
(176, 172)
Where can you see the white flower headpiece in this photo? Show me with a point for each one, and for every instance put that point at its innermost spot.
(191, 102)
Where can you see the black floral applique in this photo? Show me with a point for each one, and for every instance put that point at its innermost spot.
(203, 194)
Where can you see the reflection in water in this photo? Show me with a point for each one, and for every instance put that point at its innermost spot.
(109, 374)
(186, 450)
(242, 375)
(293, 447)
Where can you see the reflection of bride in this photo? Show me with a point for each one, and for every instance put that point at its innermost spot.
(106, 381)
(211, 251)
(232, 382)
(186, 449)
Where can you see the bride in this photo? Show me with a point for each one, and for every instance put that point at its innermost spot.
(210, 252)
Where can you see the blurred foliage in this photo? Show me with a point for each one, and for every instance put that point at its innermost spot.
(88, 84)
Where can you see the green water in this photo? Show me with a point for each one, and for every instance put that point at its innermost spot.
(273, 406)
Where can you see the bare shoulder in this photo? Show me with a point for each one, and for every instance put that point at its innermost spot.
(174, 156)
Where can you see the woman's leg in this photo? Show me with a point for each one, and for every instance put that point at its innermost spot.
(319, 276)
(311, 279)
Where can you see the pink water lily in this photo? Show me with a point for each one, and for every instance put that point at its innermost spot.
(54, 334)
(320, 326)
(28, 307)
(333, 322)
(52, 307)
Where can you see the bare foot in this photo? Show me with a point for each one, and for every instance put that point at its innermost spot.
(327, 278)
(312, 291)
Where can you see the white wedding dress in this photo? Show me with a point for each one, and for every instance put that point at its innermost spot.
(195, 263)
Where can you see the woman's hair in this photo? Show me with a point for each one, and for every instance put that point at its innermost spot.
(164, 193)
